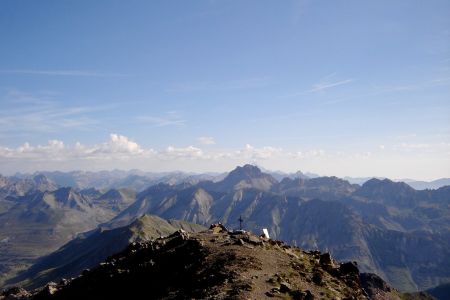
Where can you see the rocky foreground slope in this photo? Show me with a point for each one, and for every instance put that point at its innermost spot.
(216, 264)
(89, 249)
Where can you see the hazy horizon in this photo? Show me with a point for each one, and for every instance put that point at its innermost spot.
(355, 89)
(217, 172)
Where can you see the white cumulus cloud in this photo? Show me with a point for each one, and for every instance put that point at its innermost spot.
(122, 152)
(187, 152)
(120, 143)
(258, 153)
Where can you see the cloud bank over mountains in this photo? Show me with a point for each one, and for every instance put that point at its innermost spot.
(120, 152)
(120, 147)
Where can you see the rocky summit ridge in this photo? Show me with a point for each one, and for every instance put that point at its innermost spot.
(216, 264)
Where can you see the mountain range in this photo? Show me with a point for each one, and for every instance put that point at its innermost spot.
(133, 179)
(140, 180)
(38, 217)
(389, 228)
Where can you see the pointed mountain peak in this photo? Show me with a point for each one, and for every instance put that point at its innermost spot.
(91, 192)
(300, 174)
(249, 171)
(43, 183)
(247, 176)
(39, 178)
(112, 193)
(69, 196)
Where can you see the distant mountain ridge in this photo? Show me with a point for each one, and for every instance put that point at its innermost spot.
(351, 221)
(415, 184)
(134, 179)
(37, 217)
(423, 185)
(16, 187)
(139, 180)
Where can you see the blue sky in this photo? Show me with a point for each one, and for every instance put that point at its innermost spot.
(357, 88)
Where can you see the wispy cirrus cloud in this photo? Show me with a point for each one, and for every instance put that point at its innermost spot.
(432, 83)
(170, 118)
(325, 83)
(82, 73)
(219, 86)
(386, 89)
(322, 86)
(27, 113)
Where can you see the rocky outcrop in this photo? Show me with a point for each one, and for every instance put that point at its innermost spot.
(215, 264)
(90, 249)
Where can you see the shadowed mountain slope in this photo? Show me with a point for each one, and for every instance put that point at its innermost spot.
(41, 222)
(88, 250)
(218, 264)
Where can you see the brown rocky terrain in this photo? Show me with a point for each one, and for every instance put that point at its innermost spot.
(216, 264)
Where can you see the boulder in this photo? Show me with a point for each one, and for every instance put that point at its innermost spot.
(301, 295)
(218, 228)
(15, 293)
(372, 284)
(349, 268)
(325, 259)
(285, 287)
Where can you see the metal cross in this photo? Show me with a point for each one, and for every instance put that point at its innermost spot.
(240, 222)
